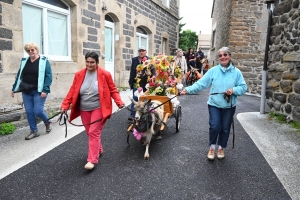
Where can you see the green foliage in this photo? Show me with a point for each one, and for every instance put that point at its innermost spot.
(120, 89)
(272, 114)
(188, 39)
(282, 119)
(180, 26)
(7, 128)
(295, 125)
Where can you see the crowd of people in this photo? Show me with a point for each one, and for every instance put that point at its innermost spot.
(93, 89)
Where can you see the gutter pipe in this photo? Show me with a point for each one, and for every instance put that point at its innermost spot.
(265, 67)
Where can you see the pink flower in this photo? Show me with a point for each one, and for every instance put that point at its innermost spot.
(144, 59)
(140, 89)
(137, 134)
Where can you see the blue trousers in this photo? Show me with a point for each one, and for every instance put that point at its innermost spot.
(34, 107)
(134, 98)
(219, 125)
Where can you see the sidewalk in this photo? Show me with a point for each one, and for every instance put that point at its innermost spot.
(17, 152)
(279, 144)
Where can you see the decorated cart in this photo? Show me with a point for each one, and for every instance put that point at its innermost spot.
(163, 88)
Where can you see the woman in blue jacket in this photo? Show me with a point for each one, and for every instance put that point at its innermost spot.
(227, 82)
(33, 80)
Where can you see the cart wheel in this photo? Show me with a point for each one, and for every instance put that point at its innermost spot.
(178, 117)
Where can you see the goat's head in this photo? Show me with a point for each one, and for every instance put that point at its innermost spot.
(140, 107)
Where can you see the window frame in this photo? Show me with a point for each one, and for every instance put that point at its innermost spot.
(45, 7)
(140, 35)
(213, 42)
(166, 3)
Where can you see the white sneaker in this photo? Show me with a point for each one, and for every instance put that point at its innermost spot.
(89, 166)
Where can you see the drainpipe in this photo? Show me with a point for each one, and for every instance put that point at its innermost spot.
(265, 68)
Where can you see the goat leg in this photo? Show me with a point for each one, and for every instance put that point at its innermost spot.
(146, 156)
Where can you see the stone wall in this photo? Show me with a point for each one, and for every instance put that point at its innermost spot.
(87, 34)
(220, 24)
(247, 40)
(154, 18)
(242, 26)
(283, 86)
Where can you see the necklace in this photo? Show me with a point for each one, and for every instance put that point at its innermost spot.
(89, 89)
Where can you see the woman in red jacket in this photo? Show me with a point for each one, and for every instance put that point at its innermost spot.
(90, 96)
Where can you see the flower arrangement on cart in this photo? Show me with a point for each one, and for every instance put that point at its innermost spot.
(162, 88)
(168, 79)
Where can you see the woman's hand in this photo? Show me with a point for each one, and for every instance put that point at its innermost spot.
(121, 106)
(43, 95)
(229, 91)
(12, 94)
(183, 92)
(62, 110)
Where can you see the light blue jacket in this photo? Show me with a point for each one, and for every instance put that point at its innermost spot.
(44, 79)
(220, 80)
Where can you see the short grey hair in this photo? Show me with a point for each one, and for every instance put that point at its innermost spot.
(178, 50)
(225, 50)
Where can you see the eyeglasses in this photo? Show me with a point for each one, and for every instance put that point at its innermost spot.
(225, 55)
(30, 50)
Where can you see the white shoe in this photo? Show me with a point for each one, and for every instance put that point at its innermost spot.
(89, 166)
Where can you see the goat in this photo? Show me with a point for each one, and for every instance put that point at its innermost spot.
(144, 113)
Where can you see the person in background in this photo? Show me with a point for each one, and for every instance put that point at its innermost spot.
(205, 66)
(134, 63)
(226, 82)
(90, 96)
(33, 80)
(181, 62)
(199, 59)
(191, 58)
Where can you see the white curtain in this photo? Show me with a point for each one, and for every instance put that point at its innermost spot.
(32, 25)
(108, 44)
(144, 42)
(137, 42)
(57, 34)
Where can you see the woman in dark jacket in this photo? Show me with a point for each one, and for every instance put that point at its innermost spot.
(33, 80)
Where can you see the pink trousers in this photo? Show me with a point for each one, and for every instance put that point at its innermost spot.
(94, 133)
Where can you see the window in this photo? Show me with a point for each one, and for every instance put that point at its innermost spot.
(141, 39)
(213, 42)
(166, 3)
(164, 46)
(47, 23)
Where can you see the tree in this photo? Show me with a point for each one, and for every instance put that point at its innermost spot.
(187, 39)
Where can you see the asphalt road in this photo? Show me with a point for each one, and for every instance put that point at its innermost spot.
(177, 169)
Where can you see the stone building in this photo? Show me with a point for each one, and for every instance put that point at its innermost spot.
(204, 42)
(283, 86)
(66, 29)
(242, 26)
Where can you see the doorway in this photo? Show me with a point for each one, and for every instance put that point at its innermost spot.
(109, 46)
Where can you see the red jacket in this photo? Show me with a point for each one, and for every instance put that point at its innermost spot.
(106, 88)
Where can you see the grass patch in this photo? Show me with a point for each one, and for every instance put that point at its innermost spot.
(281, 118)
(120, 89)
(7, 128)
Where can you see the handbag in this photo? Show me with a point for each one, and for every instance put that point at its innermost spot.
(26, 87)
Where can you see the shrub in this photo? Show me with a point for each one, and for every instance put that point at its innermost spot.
(7, 128)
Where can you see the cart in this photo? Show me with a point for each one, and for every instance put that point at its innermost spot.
(169, 110)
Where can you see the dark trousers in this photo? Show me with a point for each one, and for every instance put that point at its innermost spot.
(132, 105)
(219, 124)
(199, 66)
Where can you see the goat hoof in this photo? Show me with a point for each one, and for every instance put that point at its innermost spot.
(146, 158)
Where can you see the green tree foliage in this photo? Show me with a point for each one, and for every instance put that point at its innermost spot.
(188, 39)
